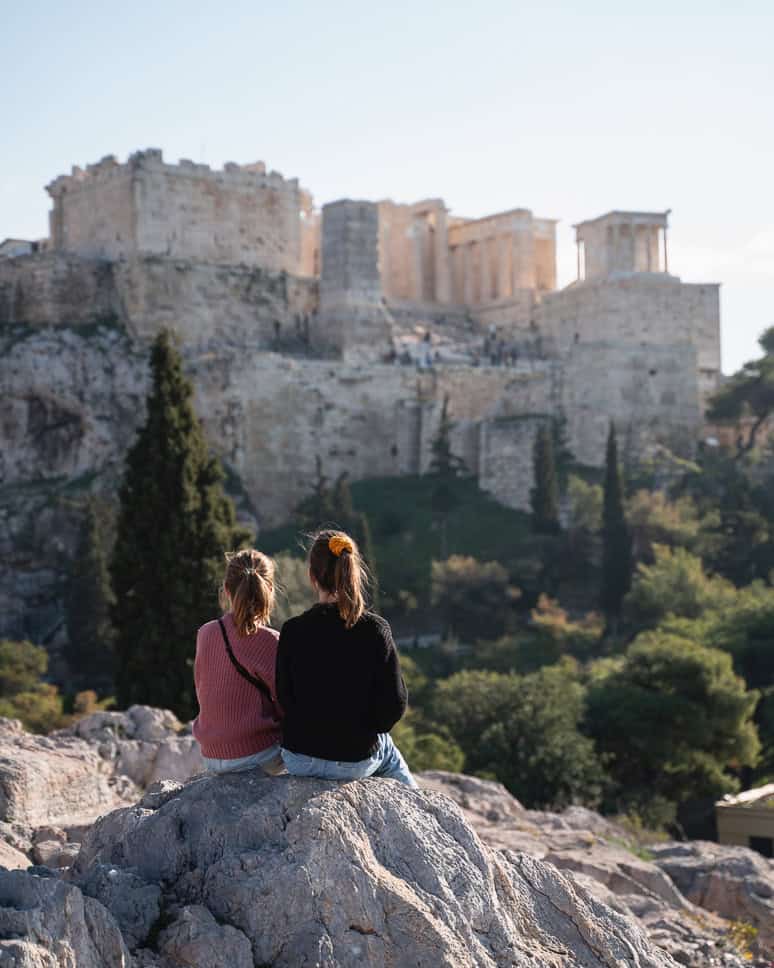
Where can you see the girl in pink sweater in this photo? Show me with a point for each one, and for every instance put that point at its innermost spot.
(238, 726)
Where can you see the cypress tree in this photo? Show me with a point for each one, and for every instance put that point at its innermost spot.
(174, 524)
(445, 467)
(88, 601)
(316, 511)
(564, 459)
(544, 497)
(616, 537)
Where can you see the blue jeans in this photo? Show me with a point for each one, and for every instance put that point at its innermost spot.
(387, 761)
(269, 761)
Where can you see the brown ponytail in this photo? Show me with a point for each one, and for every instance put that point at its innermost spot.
(336, 565)
(248, 589)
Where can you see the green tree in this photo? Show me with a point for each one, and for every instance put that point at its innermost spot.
(655, 519)
(23, 693)
(174, 524)
(564, 459)
(294, 590)
(524, 730)
(748, 393)
(674, 718)
(677, 584)
(475, 598)
(316, 510)
(544, 496)
(426, 749)
(445, 467)
(89, 599)
(616, 540)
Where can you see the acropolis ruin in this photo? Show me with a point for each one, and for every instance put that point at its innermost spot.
(340, 331)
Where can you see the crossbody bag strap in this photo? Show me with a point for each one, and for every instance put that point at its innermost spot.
(254, 680)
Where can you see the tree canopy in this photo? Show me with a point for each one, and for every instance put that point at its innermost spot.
(174, 525)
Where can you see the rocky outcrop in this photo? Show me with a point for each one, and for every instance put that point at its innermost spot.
(54, 780)
(143, 743)
(290, 872)
(638, 882)
(179, 868)
(734, 882)
(46, 923)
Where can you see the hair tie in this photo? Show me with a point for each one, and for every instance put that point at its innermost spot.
(339, 543)
(251, 571)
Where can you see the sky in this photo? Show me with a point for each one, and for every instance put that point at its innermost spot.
(568, 109)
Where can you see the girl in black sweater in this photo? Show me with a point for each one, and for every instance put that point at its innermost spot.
(338, 676)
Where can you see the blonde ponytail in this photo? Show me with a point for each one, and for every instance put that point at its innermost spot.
(248, 589)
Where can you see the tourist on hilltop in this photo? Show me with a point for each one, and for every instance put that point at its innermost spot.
(239, 722)
(338, 675)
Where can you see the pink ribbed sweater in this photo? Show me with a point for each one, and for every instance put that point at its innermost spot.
(235, 719)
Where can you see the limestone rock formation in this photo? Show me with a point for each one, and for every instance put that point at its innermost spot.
(143, 743)
(603, 857)
(312, 872)
(46, 923)
(734, 882)
(56, 780)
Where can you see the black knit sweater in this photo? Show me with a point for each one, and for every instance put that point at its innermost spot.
(338, 687)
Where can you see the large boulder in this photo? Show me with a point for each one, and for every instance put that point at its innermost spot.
(57, 780)
(369, 873)
(734, 882)
(604, 858)
(45, 923)
(143, 743)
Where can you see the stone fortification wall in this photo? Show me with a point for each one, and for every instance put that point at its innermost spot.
(53, 288)
(203, 303)
(240, 215)
(354, 320)
(95, 213)
(650, 391)
(653, 309)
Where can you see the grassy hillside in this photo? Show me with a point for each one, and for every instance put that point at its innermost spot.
(407, 535)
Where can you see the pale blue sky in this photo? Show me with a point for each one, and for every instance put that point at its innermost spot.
(570, 109)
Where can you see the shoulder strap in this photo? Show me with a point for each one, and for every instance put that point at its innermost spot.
(259, 684)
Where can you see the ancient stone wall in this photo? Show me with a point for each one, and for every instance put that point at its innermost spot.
(94, 213)
(240, 215)
(203, 303)
(650, 391)
(53, 288)
(414, 251)
(652, 309)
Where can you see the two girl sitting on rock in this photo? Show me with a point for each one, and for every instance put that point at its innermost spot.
(317, 700)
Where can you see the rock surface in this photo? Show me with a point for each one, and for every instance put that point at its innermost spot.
(55, 780)
(604, 858)
(365, 873)
(143, 743)
(45, 923)
(734, 882)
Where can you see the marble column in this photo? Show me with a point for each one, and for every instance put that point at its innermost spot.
(467, 273)
(485, 273)
(443, 282)
(505, 274)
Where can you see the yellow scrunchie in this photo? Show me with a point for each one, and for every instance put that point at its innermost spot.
(339, 543)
